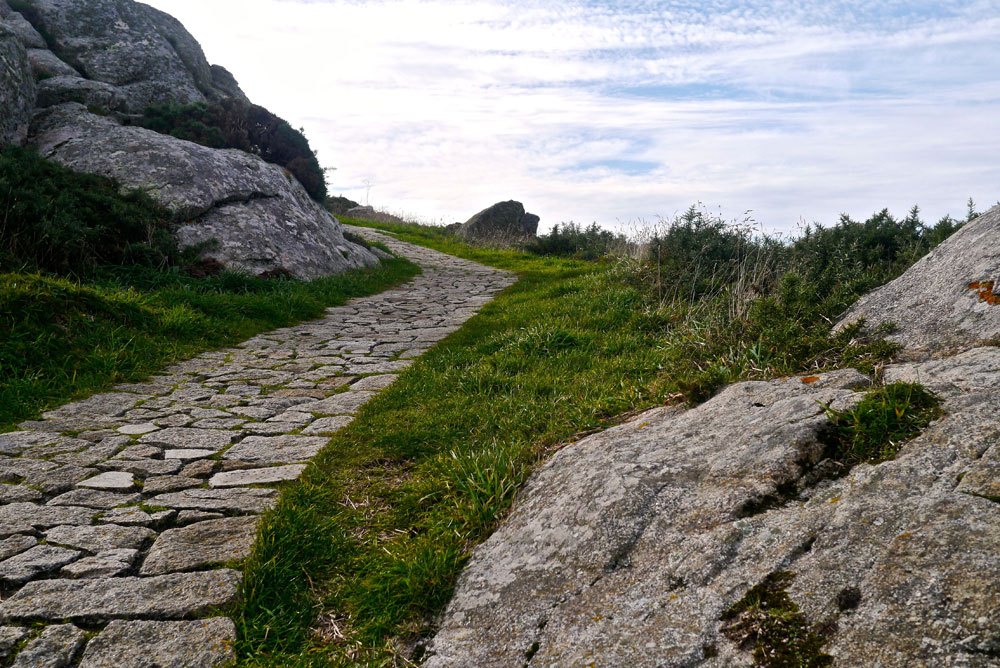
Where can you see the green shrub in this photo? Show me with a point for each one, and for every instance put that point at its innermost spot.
(247, 127)
(572, 240)
(875, 428)
(56, 220)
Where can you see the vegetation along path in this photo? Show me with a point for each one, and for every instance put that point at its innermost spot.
(124, 516)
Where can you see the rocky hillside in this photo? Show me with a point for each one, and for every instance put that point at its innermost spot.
(75, 71)
(731, 534)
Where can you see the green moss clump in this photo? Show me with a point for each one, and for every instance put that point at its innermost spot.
(768, 621)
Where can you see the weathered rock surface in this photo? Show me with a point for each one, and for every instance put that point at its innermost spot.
(143, 52)
(56, 647)
(627, 547)
(206, 643)
(35, 561)
(262, 218)
(107, 564)
(946, 301)
(9, 637)
(504, 221)
(17, 86)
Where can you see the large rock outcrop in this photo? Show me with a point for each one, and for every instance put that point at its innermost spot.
(667, 540)
(628, 548)
(97, 61)
(17, 84)
(504, 221)
(261, 216)
(144, 53)
(948, 300)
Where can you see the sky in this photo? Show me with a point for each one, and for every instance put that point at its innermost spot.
(625, 113)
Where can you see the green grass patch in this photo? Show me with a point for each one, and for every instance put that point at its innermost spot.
(62, 338)
(875, 428)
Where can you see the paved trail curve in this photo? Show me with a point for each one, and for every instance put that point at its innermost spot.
(116, 510)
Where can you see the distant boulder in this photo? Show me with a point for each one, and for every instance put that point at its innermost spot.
(504, 221)
(369, 213)
(339, 205)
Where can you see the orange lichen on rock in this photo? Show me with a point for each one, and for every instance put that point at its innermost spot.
(809, 380)
(985, 289)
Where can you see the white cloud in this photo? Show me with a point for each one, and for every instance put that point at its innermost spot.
(792, 109)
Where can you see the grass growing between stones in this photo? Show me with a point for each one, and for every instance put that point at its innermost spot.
(359, 556)
(875, 428)
(66, 338)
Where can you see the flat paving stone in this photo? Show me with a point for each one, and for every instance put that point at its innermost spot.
(16, 442)
(43, 517)
(378, 382)
(189, 437)
(35, 561)
(13, 470)
(328, 425)
(93, 498)
(107, 404)
(102, 565)
(99, 599)
(127, 516)
(286, 449)
(186, 455)
(16, 493)
(15, 545)
(138, 429)
(345, 403)
(186, 517)
(56, 647)
(169, 483)
(118, 481)
(144, 467)
(201, 545)
(202, 643)
(58, 479)
(265, 476)
(238, 500)
(99, 537)
(144, 451)
(199, 469)
(10, 636)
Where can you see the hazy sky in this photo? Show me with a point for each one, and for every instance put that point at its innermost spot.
(614, 112)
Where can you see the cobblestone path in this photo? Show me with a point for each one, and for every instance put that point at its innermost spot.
(116, 511)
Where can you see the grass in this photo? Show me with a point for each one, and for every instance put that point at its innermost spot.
(64, 338)
(358, 557)
(875, 428)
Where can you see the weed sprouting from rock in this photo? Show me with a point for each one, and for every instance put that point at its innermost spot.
(875, 428)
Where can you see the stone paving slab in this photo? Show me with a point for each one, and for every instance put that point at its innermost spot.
(116, 511)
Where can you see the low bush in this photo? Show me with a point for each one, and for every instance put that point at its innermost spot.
(248, 127)
(576, 241)
(55, 220)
